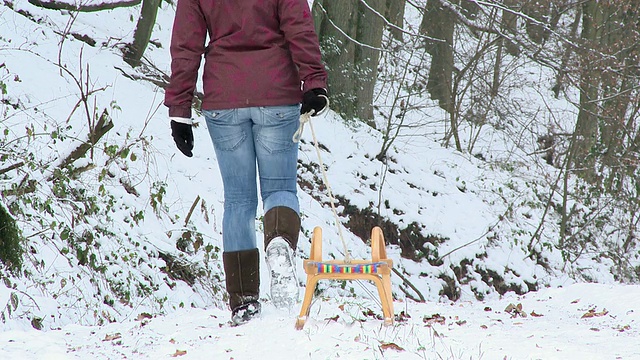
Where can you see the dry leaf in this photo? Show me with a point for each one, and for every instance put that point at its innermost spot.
(172, 341)
(335, 318)
(515, 310)
(179, 353)
(403, 316)
(143, 316)
(535, 314)
(392, 346)
(487, 308)
(575, 301)
(341, 307)
(434, 319)
(115, 336)
(594, 329)
(484, 327)
(592, 313)
(623, 328)
(370, 313)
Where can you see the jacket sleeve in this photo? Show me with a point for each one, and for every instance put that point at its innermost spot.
(296, 23)
(187, 46)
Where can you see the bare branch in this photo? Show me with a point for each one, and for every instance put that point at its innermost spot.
(391, 24)
(103, 125)
(11, 167)
(345, 34)
(59, 5)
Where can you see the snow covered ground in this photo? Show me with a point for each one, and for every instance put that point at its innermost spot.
(455, 196)
(581, 321)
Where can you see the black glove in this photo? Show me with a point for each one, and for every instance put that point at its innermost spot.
(183, 136)
(314, 101)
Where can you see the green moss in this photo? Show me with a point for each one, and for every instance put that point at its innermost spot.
(10, 242)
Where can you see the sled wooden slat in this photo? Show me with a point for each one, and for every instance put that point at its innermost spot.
(378, 270)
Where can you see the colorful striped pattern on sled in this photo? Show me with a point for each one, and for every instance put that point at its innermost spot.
(324, 268)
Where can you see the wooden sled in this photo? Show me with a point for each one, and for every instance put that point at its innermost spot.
(378, 270)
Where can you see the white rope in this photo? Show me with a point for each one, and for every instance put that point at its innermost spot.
(306, 118)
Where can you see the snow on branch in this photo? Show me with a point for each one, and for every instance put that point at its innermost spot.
(60, 5)
(393, 25)
(345, 34)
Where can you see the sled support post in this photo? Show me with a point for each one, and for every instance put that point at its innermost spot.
(378, 270)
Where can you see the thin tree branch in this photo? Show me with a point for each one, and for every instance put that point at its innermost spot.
(409, 284)
(11, 167)
(59, 5)
(347, 35)
(390, 24)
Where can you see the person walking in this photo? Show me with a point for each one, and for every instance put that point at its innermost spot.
(262, 70)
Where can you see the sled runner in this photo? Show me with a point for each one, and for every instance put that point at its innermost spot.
(378, 270)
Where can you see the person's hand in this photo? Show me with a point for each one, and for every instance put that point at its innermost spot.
(183, 136)
(314, 101)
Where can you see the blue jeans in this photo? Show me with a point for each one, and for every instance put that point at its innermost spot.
(245, 137)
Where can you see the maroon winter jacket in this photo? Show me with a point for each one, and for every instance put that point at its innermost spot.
(260, 53)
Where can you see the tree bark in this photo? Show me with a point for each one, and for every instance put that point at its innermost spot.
(395, 15)
(540, 13)
(586, 129)
(438, 22)
(509, 25)
(608, 79)
(147, 20)
(370, 29)
(337, 25)
(60, 5)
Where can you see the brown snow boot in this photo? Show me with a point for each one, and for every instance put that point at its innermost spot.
(284, 222)
(242, 270)
(281, 230)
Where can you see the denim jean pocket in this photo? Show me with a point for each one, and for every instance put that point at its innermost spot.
(225, 135)
(281, 112)
(217, 114)
(278, 126)
(228, 142)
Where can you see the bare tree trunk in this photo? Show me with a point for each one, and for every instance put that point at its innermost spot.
(336, 27)
(608, 78)
(566, 54)
(317, 10)
(586, 130)
(370, 29)
(439, 23)
(509, 25)
(147, 20)
(540, 13)
(618, 83)
(395, 15)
